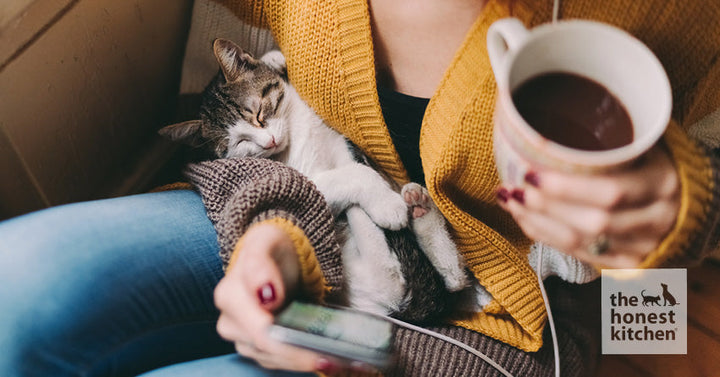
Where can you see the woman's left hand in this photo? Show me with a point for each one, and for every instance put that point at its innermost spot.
(624, 214)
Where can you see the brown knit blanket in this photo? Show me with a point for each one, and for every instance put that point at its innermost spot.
(240, 192)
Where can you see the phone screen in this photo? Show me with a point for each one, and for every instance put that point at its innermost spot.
(343, 333)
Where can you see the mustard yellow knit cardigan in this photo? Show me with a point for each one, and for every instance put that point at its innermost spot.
(329, 51)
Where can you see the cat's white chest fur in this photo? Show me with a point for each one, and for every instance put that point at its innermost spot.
(323, 155)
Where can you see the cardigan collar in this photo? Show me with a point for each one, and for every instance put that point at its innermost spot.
(469, 65)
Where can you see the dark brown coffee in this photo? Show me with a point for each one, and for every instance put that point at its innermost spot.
(573, 111)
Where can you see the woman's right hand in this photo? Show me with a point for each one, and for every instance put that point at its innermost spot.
(265, 275)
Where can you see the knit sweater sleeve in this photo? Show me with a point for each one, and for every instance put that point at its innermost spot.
(242, 193)
(687, 241)
(694, 144)
(312, 281)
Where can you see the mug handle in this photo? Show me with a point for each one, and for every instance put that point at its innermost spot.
(504, 36)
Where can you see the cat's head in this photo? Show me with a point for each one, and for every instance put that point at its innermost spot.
(244, 109)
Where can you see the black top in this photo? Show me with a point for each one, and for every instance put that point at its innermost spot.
(403, 116)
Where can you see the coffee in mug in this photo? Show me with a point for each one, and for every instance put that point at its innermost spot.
(575, 96)
(573, 111)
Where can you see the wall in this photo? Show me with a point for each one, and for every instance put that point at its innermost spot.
(84, 85)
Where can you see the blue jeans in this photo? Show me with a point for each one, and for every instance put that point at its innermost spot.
(113, 287)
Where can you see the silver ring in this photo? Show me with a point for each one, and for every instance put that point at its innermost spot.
(599, 246)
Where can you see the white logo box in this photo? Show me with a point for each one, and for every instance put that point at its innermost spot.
(644, 311)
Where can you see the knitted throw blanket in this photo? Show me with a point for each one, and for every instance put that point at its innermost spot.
(240, 192)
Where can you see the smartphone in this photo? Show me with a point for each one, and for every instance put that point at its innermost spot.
(344, 333)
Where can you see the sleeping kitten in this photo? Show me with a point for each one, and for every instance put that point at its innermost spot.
(395, 264)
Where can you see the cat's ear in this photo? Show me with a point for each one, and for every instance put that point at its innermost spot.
(186, 132)
(232, 59)
(276, 60)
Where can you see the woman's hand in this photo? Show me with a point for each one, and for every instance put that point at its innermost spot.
(627, 213)
(263, 277)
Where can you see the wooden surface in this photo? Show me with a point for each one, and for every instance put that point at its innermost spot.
(703, 344)
(84, 86)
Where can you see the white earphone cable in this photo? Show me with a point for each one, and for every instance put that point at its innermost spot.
(551, 322)
(453, 342)
(556, 10)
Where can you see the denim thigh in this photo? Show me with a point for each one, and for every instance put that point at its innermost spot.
(222, 366)
(111, 287)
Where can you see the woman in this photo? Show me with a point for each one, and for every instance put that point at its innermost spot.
(660, 211)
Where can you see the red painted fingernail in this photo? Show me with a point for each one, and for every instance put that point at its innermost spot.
(326, 366)
(502, 194)
(266, 294)
(532, 178)
(518, 195)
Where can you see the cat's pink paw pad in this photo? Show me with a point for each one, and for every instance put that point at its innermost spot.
(417, 199)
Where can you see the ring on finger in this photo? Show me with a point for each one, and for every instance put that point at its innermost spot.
(599, 246)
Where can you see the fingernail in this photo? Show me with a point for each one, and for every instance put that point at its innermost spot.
(518, 195)
(532, 178)
(266, 294)
(502, 194)
(326, 366)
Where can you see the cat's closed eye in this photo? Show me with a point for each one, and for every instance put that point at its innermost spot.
(247, 113)
(260, 118)
(255, 117)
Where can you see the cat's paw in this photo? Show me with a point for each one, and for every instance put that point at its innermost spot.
(389, 211)
(455, 279)
(417, 198)
(275, 59)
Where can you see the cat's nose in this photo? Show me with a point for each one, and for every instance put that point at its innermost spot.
(271, 144)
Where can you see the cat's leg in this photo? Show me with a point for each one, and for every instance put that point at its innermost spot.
(433, 237)
(375, 282)
(357, 184)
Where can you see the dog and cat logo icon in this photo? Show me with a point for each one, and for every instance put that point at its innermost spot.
(644, 311)
(669, 299)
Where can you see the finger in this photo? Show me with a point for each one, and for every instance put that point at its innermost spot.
(230, 329)
(266, 360)
(653, 177)
(278, 355)
(272, 354)
(267, 264)
(262, 280)
(622, 252)
(540, 227)
(587, 220)
(246, 349)
(252, 341)
(655, 219)
(241, 316)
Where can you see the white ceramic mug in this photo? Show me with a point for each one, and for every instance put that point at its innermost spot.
(601, 52)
